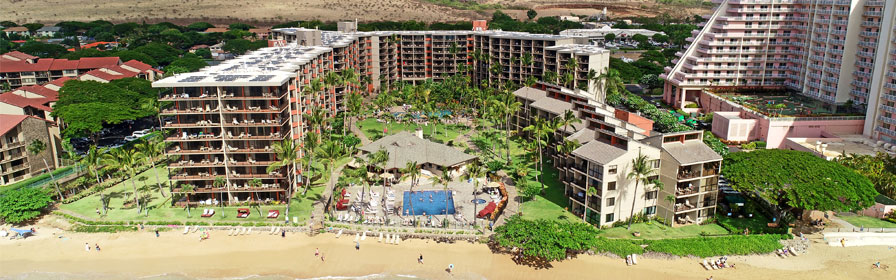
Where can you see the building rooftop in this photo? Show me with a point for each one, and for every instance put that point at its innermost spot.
(578, 49)
(583, 136)
(555, 106)
(531, 94)
(50, 29)
(599, 152)
(691, 152)
(271, 66)
(8, 122)
(404, 147)
(785, 104)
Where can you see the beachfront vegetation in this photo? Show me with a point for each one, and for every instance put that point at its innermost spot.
(880, 169)
(656, 230)
(23, 204)
(718, 246)
(546, 240)
(793, 179)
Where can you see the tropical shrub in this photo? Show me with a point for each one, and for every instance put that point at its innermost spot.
(23, 204)
(545, 239)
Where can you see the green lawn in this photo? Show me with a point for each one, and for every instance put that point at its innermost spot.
(374, 130)
(656, 230)
(552, 204)
(122, 208)
(868, 222)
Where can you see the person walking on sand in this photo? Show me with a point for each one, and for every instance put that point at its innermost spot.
(321, 257)
(283, 233)
(420, 259)
(97, 247)
(450, 268)
(357, 246)
(157, 233)
(316, 252)
(843, 242)
(86, 247)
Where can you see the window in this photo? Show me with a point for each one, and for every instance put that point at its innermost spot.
(653, 178)
(612, 170)
(650, 210)
(651, 195)
(611, 201)
(609, 218)
(655, 163)
(611, 186)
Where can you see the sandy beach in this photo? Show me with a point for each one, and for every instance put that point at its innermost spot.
(141, 254)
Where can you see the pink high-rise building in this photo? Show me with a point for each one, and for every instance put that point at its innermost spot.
(835, 51)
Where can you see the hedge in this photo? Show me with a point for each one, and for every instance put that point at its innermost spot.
(110, 229)
(618, 247)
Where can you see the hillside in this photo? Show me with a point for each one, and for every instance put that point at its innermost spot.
(225, 11)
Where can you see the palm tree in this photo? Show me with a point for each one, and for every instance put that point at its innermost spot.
(125, 160)
(220, 182)
(568, 118)
(311, 141)
(70, 155)
(610, 82)
(572, 66)
(550, 77)
(150, 149)
(286, 153)
(445, 179)
(591, 191)
(411, 170)
(527, 61)
(671, 199)
(473, 173)
(568, 146)
(92, 160)
(330, 151)
(188, 189)
(333, 79)
(36, 147)
(540, 130)
(507, 105)
(641, 170)
(354, 104)
(349, 78)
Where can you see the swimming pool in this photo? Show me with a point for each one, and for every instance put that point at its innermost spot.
(423, 204)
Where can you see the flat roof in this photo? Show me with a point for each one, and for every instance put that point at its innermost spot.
(690, 152)
(599, 152)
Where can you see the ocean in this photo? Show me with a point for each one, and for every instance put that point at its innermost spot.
(178, 276)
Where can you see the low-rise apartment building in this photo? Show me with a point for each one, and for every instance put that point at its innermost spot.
(18, 69)
(16, 163)
(595, 175)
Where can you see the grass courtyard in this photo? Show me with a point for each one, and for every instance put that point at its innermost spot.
(122, 207)
(868, 222)
(439, 132)
(551, 205)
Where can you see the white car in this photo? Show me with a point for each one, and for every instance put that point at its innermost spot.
(131, 138)
(140, 133)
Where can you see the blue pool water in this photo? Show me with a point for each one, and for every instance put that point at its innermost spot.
(422, 204)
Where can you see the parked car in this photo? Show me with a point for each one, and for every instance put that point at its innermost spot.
(140, 133)
(131, 138)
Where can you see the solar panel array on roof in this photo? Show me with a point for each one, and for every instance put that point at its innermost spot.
(230, 78)
(261, 78)
(191, 79)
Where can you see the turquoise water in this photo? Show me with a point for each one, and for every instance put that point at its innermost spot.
(176, 276)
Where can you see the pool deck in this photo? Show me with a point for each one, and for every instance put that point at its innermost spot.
(462, 191)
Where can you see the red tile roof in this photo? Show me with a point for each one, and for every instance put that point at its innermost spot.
(60, 82)
(48, 64)
(22, 102)
(124, 73)
(16, 29)
(136, 64)
(8, 122)
(19, 55)
(40, 90)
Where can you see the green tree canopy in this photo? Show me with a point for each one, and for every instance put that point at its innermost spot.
(545, 239)
(33, 27)
(609, 37)
(241, 46)
(798, 179)
(190, 63)
(204, 53)
(85, 106)
(531, 14)
(161, 53)
(199, 26)
(23, 204)
(135, 55)
(43, 50)
(241, 26)
(880, 169)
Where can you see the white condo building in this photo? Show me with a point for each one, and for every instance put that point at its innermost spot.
(835, 51)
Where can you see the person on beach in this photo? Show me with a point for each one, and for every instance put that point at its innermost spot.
(843, 242)
(86, 247)
(157, 233)
(450, 268)
(322, 257)
(316, 252)
(283, 233)
(357, 246)
(97, 247)
(420, 259)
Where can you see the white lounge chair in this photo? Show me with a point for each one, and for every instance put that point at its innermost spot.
(364, 236)
(338, 234)
(706, 265)
(249, 231)
(272, 230)
(357, 237)
(792, 251)
(186, 229)
(380, 240)
(397, 239)
(195, 229)
(230, 232)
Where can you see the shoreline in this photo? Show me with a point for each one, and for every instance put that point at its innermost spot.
(174, 255)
